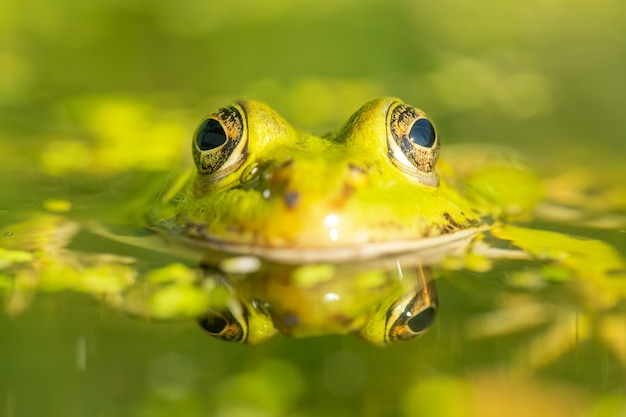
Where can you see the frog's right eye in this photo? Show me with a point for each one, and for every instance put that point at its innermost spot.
(220, 143)
(413, 143)
(404, 315)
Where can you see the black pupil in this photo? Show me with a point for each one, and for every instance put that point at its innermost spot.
(213, 323)
(422, 133)
(210, 135)
(422, 320)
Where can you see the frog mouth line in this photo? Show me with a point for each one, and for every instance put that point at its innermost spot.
(430, 250)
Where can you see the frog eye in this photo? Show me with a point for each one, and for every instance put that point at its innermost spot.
(223, 325)
(220, 142)
(210, 135)
(403, 317)
(413, 143)
(422, 133)
(413, 321)
(240, 322)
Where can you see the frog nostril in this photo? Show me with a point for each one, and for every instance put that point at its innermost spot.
(251, 173)
(358, 169)
(358, 176)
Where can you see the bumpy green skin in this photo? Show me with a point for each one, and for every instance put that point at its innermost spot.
(313, 192)
(284, 190)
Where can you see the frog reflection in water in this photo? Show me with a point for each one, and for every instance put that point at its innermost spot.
(334, 234)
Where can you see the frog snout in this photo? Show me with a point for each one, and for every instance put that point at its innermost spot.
(305, 183)
(298, 325)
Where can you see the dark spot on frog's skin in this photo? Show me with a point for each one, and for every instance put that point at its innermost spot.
(620, 273)
(347, 191)
(343, 320)
(290, 320)
(200, 232)
(357, 169)
(291, 199)
(450, 220)
(448, 228)
(284, 165)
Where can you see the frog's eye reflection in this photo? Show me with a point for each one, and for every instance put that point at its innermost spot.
(214, 324)
(402, 317)
(411, 323)
(242, 321)
(422, 320)
(222, 325)
(210, 135)
(422, 133)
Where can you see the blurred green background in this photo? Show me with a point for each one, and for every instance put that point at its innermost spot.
(527, 73)
(96, 96)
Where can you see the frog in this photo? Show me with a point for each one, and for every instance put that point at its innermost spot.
(340, 233)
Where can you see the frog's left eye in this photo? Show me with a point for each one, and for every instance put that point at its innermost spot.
(210, 135)
(240, 322)
(413, 143)
(223, 325)
(220, 143)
